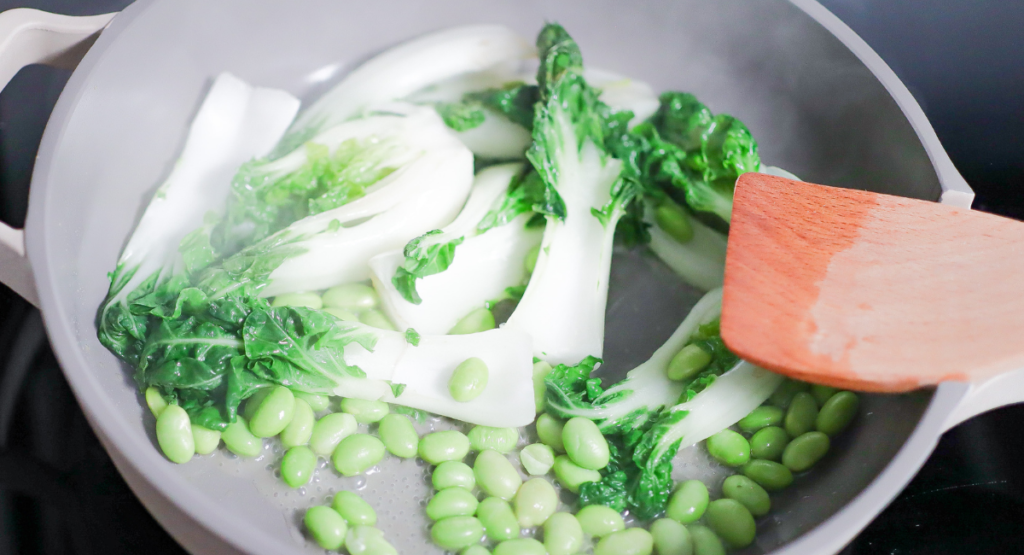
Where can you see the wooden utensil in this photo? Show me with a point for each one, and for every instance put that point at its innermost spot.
(871, 292)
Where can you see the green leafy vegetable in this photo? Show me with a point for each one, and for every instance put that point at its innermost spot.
(422, 261)
(514, 100)
(413, 337)
(460, 116)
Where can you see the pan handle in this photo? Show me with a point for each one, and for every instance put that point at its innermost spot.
(27, 37)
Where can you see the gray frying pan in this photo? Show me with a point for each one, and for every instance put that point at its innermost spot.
(820, 102)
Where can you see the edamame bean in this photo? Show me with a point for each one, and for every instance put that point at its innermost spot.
(297, 466)
(837, 413)
(549, 430)
(689, 502)
(729, 447)
(535, 501)
(585, 444)
(748, 493)
(705, 542)
(367, 540)
(520, 546)
(822, 393)
(801, 415)
(438, 447)
(308, 300)
(784, 394)
(671, 538)
(376, 319)
(563, 534)
(343, 314)
(253, 402)
(502, 440)
(300, 429)
(537, 459)
(495, 475)
(500, 523)
(687, 363)
(635, 541)
(732, 522)
(530, 261)
(571, 475)
(475, 550)
(366, 412)
(205, 439)
(274, 413)
(770, 475)
(761, 417)
(354, 509)
(329, 431)
(326, 526)
(468, 380)
(315, 402)
(477, 321)
(399, 435)
(672, 219)
(541, 370)
(453, 474)
(156, 403)
(456, 532)
(599, 521)
(353, 296)
(805, 451)
(451, 502)
(768, 443)
(239, 440)
(174, 434)
(356, 454)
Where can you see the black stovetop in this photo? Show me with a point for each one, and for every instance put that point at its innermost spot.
(963, 61)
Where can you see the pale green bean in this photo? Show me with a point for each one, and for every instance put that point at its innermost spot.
(805, 451)
(502, 440)
(253, 402)
(837, 413)
(634, 541)
(571, 475)
(495, 475)
(671, 538)
(356, 454)
(468, 380)
(535, 501)
(174, 434)
(585, 444)
(206, 440)
(315, 402)
(343, 314)
(399, 435)
(365, 412)
(273, 413)
(155, 401)
(326, 526)
(687, 363)
(376, 319)
(475, 550)
(456, 532)
(599, 521)
(438, 447)
(801, 415)
(729, 447)
(688, 502)
(563, 534)
(240, 441)
(748, 493)
(769, 443)
(297, 466)
(761, 417)
(477, 321)
(367, 540)
(520, 546)
(451, 474)
(549, 430)
(307, 300)
(353, 296)
(705, 542)
(732, 522)
(451, 502)
(537, 459)
(498, 519)
(300, 429)
(354, 509)
(329, 431)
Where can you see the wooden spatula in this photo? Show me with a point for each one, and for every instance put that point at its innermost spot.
(868, 291)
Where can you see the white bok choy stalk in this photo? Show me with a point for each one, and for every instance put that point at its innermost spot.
(700, 261)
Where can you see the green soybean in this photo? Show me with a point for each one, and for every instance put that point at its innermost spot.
(563, 534)
(457, 532)
(329, 431)
(343, 314)
(297, 466)
(535, 501)
(801, 415)
(549, 430)
(326, 526)
(541, 370)
(783, 395)
(495, 475)
(174, 434)
(365, 412)
(156, 403)
(530, 261)
(253, 402)
(520, 546)
(399, 435)
(499, 521)
(239, 440)
(451, 502)
(634, 541)
(571, 475)
(688, 502)
(468, 380)
(671, 538)
(475, 550)
(537, 459)
(356, 454)
(585, 444)
(205, 439)
(453, 474)
(805, 451)
(477, 321)
(353, 296)
(438, 447)
(354, 509)
(274, 413)
(748, 493)
(761, 417)
(822, 393)
(768, 443)
(599, 521)
(376, 319)
(770, 475)
(687, 363)
(308, 300)
(732, 522)
(502, 440)
(674, 221)
(367, 540)
(730, 448)
(837, 413)
(315, 402)
(705, 542)
(299, 430)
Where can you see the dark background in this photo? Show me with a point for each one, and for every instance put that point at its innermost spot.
(962, 60)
